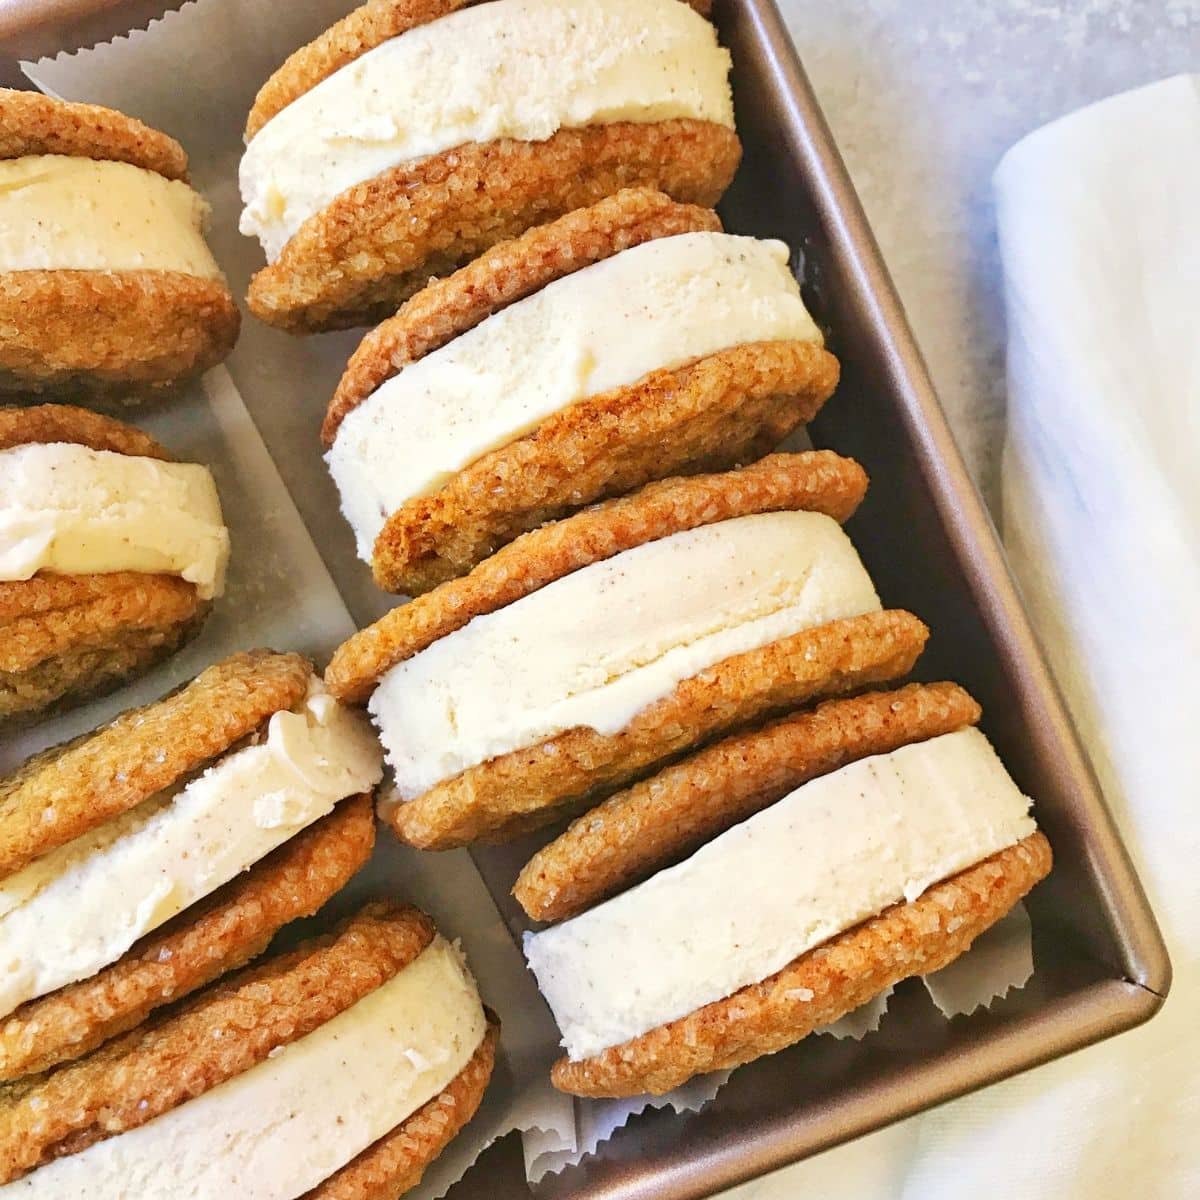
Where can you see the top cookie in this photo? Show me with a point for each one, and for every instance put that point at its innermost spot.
(31, 123)
(48, 423)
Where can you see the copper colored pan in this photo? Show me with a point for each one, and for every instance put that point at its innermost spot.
(925, 536)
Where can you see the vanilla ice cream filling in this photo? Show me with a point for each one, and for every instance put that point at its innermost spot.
(520, 69)
(64, 213)
(658, 305)
(834, 852)
(70, 510)
(277, 1130)
(597, 646)
(80, 907)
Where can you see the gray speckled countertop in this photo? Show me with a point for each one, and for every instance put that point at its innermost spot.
(924, 96)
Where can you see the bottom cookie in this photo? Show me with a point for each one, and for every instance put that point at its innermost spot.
(66, 638)
(110, 338)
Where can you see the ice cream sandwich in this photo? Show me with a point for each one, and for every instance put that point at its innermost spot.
(590, 651)
(108, 290)
(625, 342)
(414, 134)
(866, 873)
(110, 555)
(142, 860)
(337, 1071)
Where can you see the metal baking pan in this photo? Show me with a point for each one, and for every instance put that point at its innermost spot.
(926, 538)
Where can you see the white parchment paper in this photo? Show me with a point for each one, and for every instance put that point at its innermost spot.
(194, 74)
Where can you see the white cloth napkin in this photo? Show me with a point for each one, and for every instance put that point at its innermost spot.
(1099, 223)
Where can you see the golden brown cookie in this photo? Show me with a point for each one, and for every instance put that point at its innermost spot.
(362, 29)
(66, 423)
(110, 630)
(503, 274)
(526, 788)
(664, 818)
(31, 123)
(234, 925)
(64, 638)
(110, 337)
(381, 241)
(70, 789)
(818, 987)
